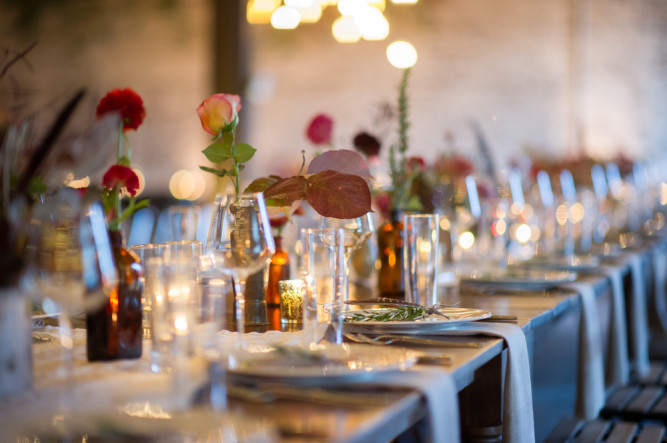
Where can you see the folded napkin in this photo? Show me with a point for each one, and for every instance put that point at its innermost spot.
(437, 387)
(590, 377)
(617, 371)
(518, 422)
(638, 330)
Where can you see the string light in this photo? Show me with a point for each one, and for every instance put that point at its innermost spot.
(369, 20)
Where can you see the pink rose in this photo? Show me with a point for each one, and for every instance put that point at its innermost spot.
(319, 130)
(219, 112)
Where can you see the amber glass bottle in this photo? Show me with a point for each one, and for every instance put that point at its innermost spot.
(278, 270)
(114, 330)
(390, 250)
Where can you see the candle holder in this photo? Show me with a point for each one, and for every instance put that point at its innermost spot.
(291, 301)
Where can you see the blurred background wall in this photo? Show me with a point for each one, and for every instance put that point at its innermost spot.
(551, 76)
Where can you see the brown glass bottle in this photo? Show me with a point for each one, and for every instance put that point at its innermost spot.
(390, 251)
(114, 330)
(278, 270)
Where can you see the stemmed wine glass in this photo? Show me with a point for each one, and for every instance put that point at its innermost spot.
(70, 266)
(356, 231)
(240, 241)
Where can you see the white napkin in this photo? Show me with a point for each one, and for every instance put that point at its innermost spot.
(617, 372)
(658, 305)
(437, 386)
(518, 421)
(590, 377)
(638, 331)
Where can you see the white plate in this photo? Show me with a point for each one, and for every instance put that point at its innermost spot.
(531, 279)
(430, 323)
(327, 365)
(563, 263)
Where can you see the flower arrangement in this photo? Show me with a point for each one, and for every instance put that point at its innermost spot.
(120, 180)
(334, 184)
(219, 117)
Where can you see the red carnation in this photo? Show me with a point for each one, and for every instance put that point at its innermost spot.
(127, 103)
(319, 130)
(122, 177)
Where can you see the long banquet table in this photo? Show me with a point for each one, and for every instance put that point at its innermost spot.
(550, 321)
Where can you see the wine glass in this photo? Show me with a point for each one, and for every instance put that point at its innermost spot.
(240, 242)
(356, 232)
(70, 267)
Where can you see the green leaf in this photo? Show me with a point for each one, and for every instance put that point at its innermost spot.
(243, 152)
(337, 195)
(262, 183)
(286, 191)
(218, 172)
(218, 152)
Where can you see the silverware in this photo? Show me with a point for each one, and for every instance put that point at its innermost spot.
(501, 319)
(386, 339)
(423, 358)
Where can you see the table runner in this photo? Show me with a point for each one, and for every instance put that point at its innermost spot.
(518, 422)
(590, 376)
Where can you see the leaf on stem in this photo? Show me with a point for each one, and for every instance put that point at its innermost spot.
(337, 195)
(344, 161)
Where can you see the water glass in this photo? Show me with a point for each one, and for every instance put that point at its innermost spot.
(213, 308)
(184, 222)
(421, 236)
(183, 249)
(315, 242)
(171, 288)
(146, 252)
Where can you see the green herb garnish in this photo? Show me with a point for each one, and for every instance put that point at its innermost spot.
(400, 313)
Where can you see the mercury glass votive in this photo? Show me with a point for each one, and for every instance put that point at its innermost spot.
(291, 300)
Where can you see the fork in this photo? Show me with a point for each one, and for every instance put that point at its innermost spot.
(386, 339)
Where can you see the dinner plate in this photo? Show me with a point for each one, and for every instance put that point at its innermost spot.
(327, 364)
(526, 279)
(455, 315)
(574, 263)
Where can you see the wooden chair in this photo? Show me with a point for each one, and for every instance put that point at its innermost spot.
(605, 431)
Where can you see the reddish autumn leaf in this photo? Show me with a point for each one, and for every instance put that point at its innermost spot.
(337, 195)
(285, 191)
(344, 161)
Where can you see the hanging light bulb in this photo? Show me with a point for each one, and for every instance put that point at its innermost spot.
(372, 24)
(285, 18)
(401, 54)
(345, 30)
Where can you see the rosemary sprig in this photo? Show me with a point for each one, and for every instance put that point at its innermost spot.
(399, 313)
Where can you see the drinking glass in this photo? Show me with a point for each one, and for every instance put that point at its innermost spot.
(421, 234)
(184, 222)
(314, 242)
(145, 253)
(241, 242)
(183, 249)
(356, 232)
(70, 266)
